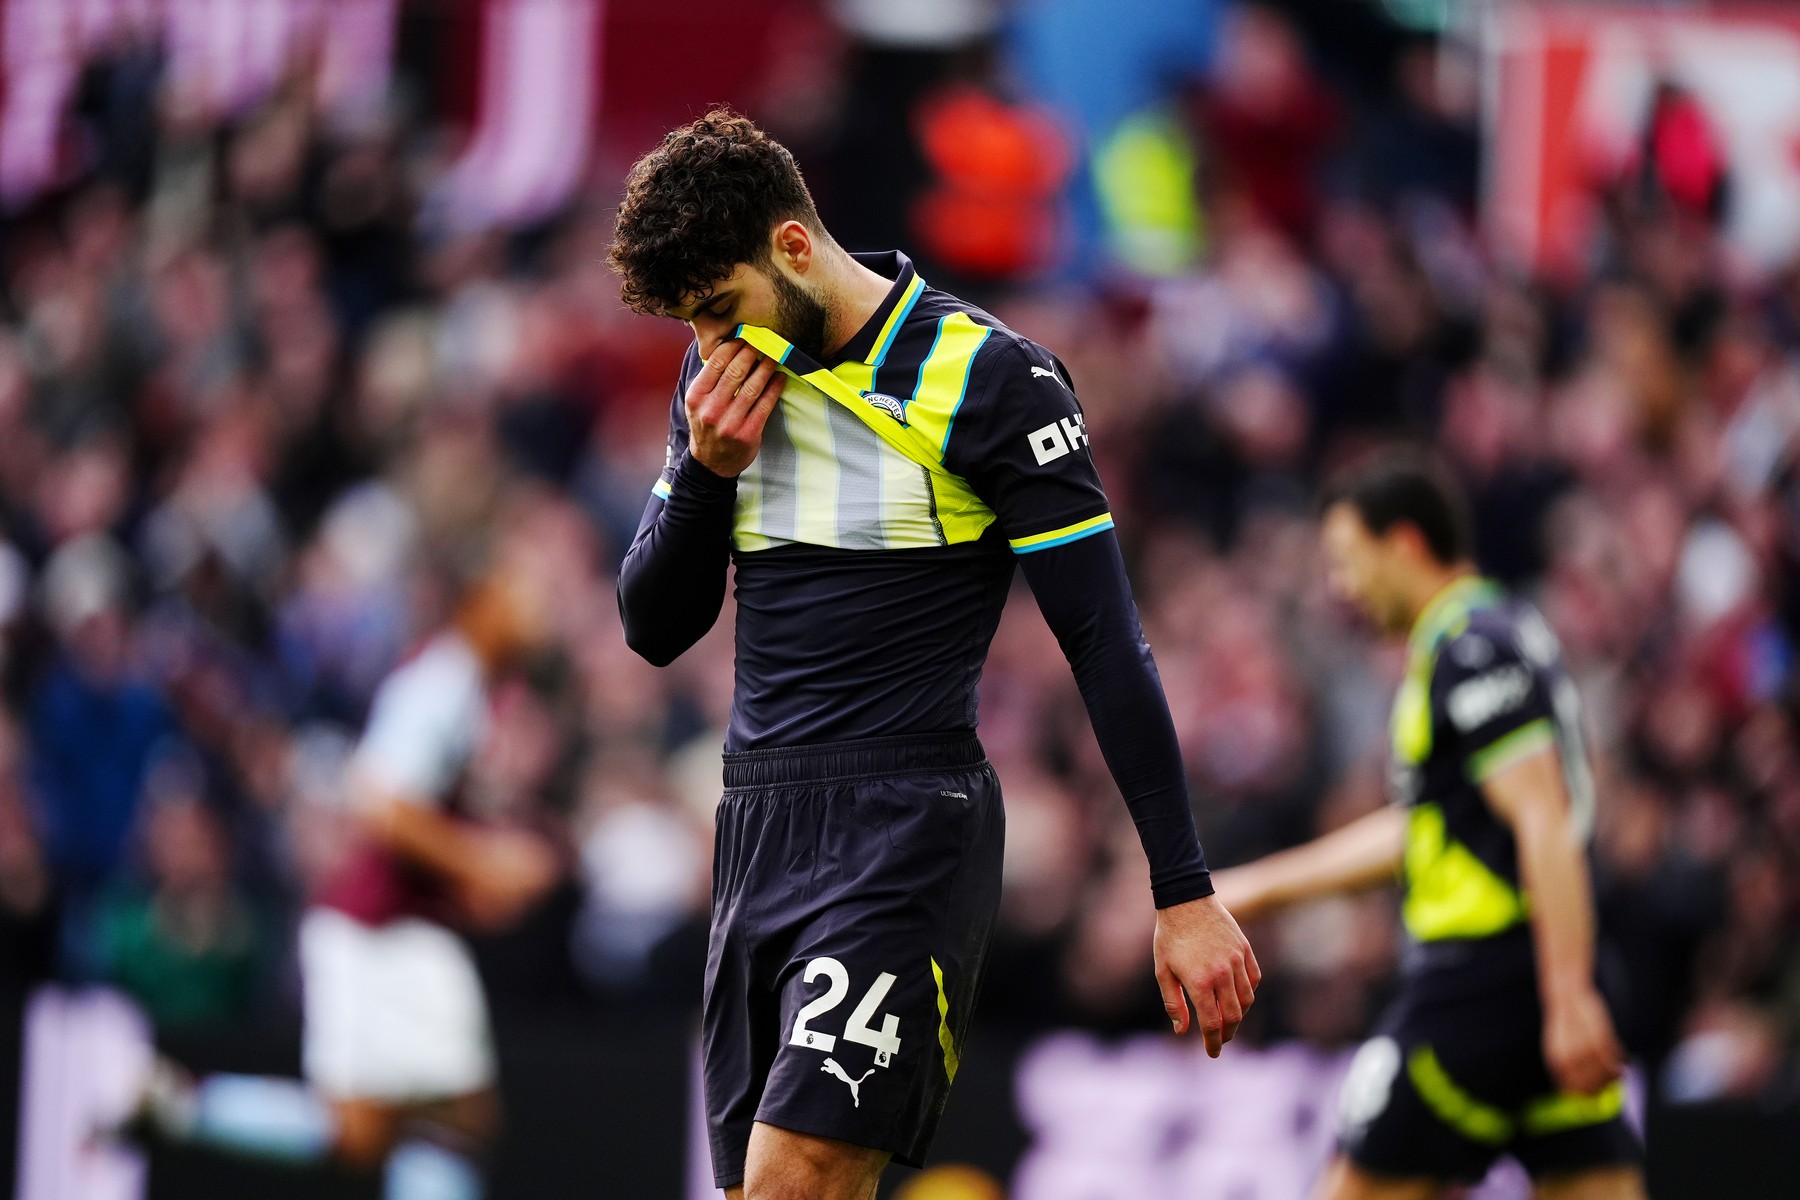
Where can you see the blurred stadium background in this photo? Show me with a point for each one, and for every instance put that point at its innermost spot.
(297, 295)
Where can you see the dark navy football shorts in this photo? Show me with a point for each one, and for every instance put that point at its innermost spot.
(854, 890)
(1449, 1085)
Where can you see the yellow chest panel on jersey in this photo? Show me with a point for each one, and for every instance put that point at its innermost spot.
(825, 478)
(830, 474)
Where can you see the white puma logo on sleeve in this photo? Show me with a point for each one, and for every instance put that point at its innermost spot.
(831, 1068)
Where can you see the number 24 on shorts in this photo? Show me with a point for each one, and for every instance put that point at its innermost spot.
(885, 1040)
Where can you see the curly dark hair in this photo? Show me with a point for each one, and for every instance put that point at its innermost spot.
(700, 204)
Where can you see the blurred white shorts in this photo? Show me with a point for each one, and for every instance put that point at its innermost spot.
(393, 1012)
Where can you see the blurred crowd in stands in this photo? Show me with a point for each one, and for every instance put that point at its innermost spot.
(259, 416)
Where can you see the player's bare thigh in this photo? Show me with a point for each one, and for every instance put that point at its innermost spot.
(365, 1131)
(1344, 1180)
(784, 1165)
(1610, 1183)
(368, 1129)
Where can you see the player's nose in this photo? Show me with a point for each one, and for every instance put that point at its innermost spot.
(709, 335)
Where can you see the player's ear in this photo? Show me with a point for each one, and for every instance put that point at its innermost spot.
(793, 246)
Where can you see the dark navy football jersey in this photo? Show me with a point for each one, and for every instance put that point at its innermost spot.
(868, 585)
(1485, 688)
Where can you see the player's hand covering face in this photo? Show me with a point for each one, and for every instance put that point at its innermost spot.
(731, 399)
(728, 404)
(1202, 955)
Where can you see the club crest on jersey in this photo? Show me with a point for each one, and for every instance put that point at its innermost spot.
(887, 404)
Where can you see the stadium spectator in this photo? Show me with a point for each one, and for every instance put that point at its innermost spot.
(97, 725)
(189, 946)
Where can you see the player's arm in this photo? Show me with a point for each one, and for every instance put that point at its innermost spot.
(495, 873)
(1579, 1042)
(1085, 597)
(1020, 441)
(422, 729)
(1082, 590)
(1365, 853)
(411, 827)
(672, 583)
(1504, 716)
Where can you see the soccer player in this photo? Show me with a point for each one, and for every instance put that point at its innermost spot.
(397, 1050)
(874, 456)
(1499, 1041)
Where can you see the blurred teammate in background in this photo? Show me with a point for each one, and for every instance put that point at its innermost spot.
(1499, 1042)
(872, 454)
(397, 1051)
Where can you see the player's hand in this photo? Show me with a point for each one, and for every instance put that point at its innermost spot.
(1202, 955)
(1579, 1043)
(512, 869)
(728, 403)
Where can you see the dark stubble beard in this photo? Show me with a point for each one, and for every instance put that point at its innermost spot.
(800, 316)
